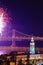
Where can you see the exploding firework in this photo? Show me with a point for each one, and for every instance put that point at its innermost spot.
(4, 19)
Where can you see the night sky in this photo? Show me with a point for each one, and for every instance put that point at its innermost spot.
(27, 15)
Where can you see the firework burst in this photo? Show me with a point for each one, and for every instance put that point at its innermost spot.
(4, 19)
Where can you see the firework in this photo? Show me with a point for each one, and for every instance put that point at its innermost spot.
(4, 19)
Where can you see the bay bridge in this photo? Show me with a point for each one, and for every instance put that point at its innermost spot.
(17, 36)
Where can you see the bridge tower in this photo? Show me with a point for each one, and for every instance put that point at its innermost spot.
(13, 37)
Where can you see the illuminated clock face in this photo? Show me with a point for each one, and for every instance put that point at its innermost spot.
(32, 43)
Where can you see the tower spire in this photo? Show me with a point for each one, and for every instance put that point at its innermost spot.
(32, 46)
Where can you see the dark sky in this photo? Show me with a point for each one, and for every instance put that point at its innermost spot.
(27, 15)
